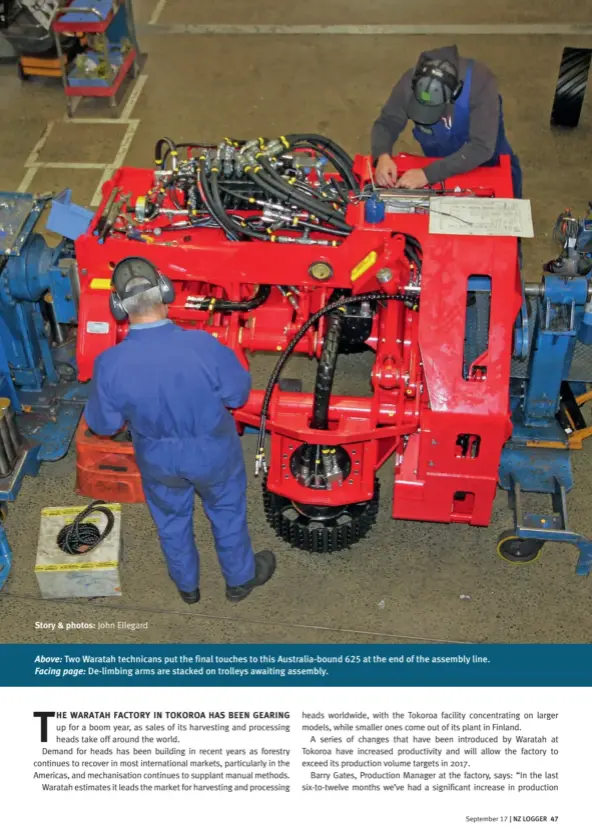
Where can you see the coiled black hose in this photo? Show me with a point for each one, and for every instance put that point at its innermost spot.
(373, 296)
(79, 538)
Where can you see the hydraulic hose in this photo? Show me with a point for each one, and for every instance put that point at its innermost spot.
(229, 223)
(413, 250)
(208, 201)
(274, 184)
(185, 145)
(316, 204)
(259, 179)
(318, 139)
(158, 155)
(233, 305)
(79, 537)
(326, 372)
(374, 296)
(343, 165)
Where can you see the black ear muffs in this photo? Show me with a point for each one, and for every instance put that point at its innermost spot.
(450, 83)
(116, 307)
(167, 295)
(167, 289)
(457, 91)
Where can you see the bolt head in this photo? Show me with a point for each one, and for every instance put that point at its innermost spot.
(384, 275)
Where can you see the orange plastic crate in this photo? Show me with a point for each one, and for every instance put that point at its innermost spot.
(106, 469)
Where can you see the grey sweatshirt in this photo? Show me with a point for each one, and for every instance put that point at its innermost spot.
(484, 109)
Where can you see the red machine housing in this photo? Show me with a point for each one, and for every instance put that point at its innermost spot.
(445, 428)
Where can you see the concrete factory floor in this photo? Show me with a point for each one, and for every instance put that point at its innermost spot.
(406, 582)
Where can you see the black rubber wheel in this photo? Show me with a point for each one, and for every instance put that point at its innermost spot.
(326, 371)
(571, 87)
(518, 550)
(66, 372)
(21, 73)
(316, 529)
(290, 385)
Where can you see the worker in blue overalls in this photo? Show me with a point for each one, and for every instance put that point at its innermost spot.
(173, 388)
(458, 115)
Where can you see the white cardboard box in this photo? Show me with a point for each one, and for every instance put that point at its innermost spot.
(94, 574)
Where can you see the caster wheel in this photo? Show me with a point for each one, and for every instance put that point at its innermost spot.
(66, 372)
(518, 550)
(21, 73)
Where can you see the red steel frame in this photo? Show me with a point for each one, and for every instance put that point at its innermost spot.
(421, 403)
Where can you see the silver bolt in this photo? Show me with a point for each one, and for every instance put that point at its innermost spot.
(384, 275)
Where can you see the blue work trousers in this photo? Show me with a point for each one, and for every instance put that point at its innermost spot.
(171, 500)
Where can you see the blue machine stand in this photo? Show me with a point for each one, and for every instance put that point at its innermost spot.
(38, 316)
(544, 399)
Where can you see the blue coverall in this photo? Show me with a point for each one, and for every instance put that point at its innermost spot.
(446, 140)
(173, 387)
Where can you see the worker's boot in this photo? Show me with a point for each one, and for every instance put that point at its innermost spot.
(190, 597)
(264, 570)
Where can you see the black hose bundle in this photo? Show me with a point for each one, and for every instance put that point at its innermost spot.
(336, 155)
(285, 191)
(232, 305)
(239, 175)
(79, 538)
(213, 201)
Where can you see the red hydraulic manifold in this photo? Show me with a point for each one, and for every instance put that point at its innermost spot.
(438, 407)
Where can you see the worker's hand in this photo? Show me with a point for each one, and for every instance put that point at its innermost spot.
(413, 179)
(386, 171)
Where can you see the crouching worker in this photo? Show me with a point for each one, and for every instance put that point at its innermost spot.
(458, 115)
(173, 388)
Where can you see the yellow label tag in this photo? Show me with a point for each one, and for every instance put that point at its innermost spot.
(364, 265)
(52, 568)
(100, 284)
(74, 510)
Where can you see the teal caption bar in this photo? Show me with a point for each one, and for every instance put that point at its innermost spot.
(175, 665)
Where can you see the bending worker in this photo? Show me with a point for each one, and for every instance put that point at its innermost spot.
(458, 115)
(174, 387)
